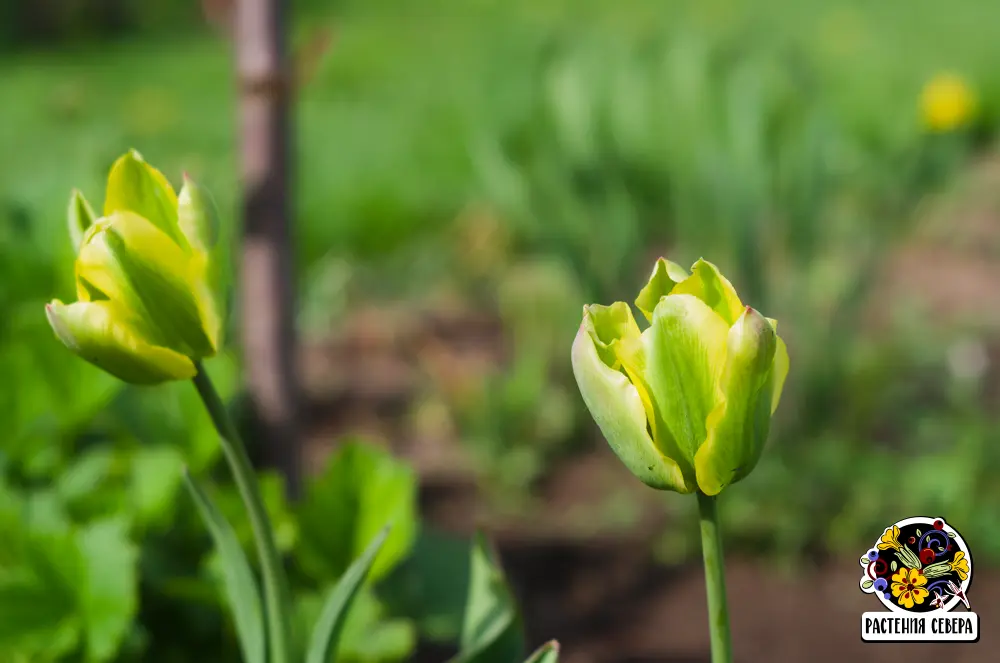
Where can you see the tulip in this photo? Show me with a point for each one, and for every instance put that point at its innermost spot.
(148, 308)
(686, 404)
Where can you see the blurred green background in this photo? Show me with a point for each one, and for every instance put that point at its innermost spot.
(467, 175)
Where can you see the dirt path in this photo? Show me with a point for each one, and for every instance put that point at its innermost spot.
(659, 615)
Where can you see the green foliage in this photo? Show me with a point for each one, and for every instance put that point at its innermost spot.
(361, 491)
(242, 593)
(71, 553)
(491, 629)
(547, 653)
(327, 630)
(63, 587)
(370, 632)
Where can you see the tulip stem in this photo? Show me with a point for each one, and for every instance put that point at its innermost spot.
(275, 582)
(715, 579)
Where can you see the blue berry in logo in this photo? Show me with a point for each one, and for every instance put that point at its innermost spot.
(872, 554)
(881, 585)
(888, 596)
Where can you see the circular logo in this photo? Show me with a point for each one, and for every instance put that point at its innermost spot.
(918, 565)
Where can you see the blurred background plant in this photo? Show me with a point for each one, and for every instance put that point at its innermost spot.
(468, 175)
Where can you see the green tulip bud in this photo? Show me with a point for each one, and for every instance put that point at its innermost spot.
(685, 404)
(147, 308)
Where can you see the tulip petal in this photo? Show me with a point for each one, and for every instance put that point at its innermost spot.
(709, 285)
(197, 216)
(99, 332)
(80, 217)
(685, 348)
(607, 325)
(631, 354)
(738, 426)
(134, 263)
(620, 414)
(135, 186)
(780, 371)
(665, 276)
(198, 219)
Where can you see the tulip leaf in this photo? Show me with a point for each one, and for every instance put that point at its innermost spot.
(370, 632)
(361, 489)
(491, 629)
(326, 633)
(738, 426)
(239, 582)
(135, 186)
(80, 216)
(685, 349)
(547, 653)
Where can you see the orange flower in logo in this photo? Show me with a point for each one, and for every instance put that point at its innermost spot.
(908, 587)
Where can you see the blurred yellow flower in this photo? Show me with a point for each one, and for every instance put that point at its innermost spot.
(890, 539)
(960, 565)
(947, 103)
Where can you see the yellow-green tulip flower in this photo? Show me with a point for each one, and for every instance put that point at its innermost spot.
(686, 404)
(145, 277)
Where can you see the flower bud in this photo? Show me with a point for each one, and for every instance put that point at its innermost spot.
(147, 308)
(685, 404)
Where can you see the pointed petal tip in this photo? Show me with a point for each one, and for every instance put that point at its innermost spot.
(59, 326)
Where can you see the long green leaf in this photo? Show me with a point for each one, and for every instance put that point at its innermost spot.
(331, 620)
(238, 578)
(547, 653)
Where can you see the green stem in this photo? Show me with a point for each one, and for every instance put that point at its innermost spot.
(715, 579)
(275, 583)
